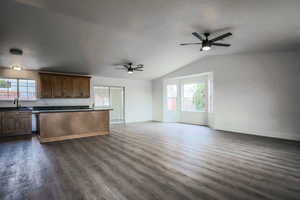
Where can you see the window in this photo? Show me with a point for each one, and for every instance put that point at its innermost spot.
(193, 98)
(11, 89)
(27, 89)
(101, 96)
(172, 97)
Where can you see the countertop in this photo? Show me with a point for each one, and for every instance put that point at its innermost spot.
(53, 109)
(70, 110)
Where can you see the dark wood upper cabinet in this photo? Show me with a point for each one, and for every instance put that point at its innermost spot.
(46, 86)
(57, 86)
(64, 86)
(76, 88)
(67, 85)
(84, 87)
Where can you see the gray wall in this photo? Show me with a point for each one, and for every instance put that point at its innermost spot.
(253, 93)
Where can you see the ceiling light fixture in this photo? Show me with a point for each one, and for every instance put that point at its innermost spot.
(16, 67)
(206, 48)
(130, 71)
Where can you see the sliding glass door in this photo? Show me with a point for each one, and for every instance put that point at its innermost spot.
(111, 97)
(117, 104)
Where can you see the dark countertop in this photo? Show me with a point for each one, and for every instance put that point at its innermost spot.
(5, 109)
(70, 110)
(53, 109)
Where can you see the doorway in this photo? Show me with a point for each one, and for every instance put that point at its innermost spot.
(188, 99)
(111, 97)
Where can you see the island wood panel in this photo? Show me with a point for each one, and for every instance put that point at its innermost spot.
(70, 125)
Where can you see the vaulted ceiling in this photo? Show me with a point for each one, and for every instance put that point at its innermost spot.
(92, 36)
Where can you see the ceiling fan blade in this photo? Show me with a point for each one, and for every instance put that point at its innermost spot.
(126, 66)
(184, 44)
(135, 69)
(221, 44)
(121, 68)
(141, 67)
(220, 37)
(197, 35)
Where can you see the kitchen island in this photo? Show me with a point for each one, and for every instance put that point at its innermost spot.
(64, 124)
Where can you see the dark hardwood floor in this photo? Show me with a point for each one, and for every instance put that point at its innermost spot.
(152, 161)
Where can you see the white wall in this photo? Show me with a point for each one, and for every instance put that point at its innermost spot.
(138, 95)
(253, 93)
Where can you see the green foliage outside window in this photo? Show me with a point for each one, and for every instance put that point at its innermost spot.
(199, 97)
(4, 84)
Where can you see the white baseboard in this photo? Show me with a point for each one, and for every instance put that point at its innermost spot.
(278, 135)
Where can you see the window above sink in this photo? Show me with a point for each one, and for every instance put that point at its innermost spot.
(24, 89)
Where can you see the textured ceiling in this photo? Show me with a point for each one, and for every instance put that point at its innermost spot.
(91, 36)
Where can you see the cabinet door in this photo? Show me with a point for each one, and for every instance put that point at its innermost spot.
(76, 88)
(67, 87)
(58, 86)
(46, 86)
(23, 124)
(14, 122)
(9, 122)
(81, 87)
(85, 87)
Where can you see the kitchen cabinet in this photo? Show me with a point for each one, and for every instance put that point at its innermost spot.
(46, 85)
(67, 85)
(64, 86)
(57, 86)
(16, 123)
(81, 87)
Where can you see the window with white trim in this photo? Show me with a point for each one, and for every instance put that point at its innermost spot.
(24, 89)
(194, 97)
(172, 97)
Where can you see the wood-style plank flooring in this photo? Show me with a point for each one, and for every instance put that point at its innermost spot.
(149, 161)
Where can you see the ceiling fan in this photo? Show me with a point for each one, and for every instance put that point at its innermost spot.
(206, 43)
(130, 68)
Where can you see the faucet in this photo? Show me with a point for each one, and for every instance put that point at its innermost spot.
(16, 101)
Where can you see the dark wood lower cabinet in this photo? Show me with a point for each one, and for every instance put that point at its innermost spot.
(16, 123)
